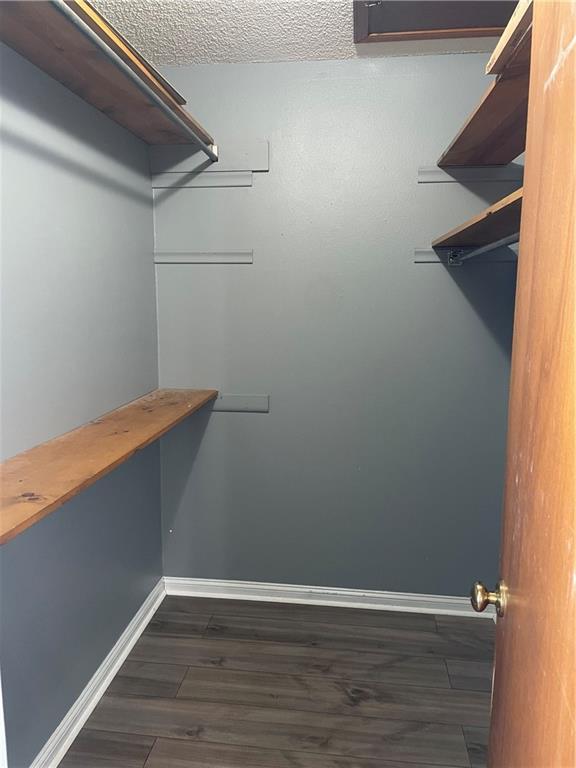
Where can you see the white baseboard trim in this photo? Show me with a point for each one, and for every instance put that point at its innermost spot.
(58, 744)
(349, 598)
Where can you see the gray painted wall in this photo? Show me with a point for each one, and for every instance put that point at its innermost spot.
(381, 462)
(70, 586)
(78, 339)
(78, 297)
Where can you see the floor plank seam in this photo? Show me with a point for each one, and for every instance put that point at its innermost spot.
(424, 622)
(467, 747)
(348, 680)
(318, 646)
(182, 683)
(355, 715)
(240, 745)
(150, 752)
(154, 660)
(445, 662)
(274, 750)
(311, 675)
(310, 693)
(206, 628)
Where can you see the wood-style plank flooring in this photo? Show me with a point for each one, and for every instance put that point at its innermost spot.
(239, 684)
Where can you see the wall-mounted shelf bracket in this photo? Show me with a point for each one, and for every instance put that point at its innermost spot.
(455, 257)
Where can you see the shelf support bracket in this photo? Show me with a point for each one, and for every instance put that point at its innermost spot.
(457, 256)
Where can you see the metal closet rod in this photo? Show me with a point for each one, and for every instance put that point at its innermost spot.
(456, 257)
(210, 149)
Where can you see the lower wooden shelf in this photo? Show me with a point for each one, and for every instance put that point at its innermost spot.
(40, 480)
(494, 223)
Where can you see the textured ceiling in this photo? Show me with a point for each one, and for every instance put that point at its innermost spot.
(204, 31)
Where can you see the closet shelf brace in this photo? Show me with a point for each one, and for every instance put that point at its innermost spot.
(457, 256)
(211, 150)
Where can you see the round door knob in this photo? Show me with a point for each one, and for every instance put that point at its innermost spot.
(481, 598)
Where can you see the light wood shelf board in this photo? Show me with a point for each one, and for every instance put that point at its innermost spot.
(38, 481)
(38, 31)
(494, 223)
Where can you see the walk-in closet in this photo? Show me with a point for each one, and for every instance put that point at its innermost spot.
(288, 424)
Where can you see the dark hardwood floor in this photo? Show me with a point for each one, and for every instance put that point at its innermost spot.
(237, 684)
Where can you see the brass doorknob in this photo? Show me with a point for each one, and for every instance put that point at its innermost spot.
(481, 598)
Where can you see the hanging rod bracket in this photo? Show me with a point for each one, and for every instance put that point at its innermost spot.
(454, 257)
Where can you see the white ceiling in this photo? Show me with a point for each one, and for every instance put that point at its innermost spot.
(183, 32)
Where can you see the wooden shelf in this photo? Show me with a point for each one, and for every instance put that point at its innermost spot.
(494, 223)
(40, 480)
(517, 35)
(43, 35)
(495, 133)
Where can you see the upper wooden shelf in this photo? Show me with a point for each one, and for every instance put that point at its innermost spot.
(494, 223)
(40, 480)
(40, 32)
(495, 133)
(515, 38)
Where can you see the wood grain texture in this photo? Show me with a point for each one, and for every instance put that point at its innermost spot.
(534, 715)
(494, 223)
(100, 749)
(514, 34)
(129, 55)
(236, 703)
(495, 132)
(283, 729)
(301, 613)
(299, 692)
(477, 745)
(345, 665)
(40, 480)
(43, 35)
(460, 629)
(326, 635)
(137, 678)
(168, 753)
(470, 675)
(174, 623)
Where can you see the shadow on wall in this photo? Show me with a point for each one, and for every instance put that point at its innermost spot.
(178, 454)
(489, 286)
(41, 102)
(75, 168)
(490, 289)
(180, 180)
